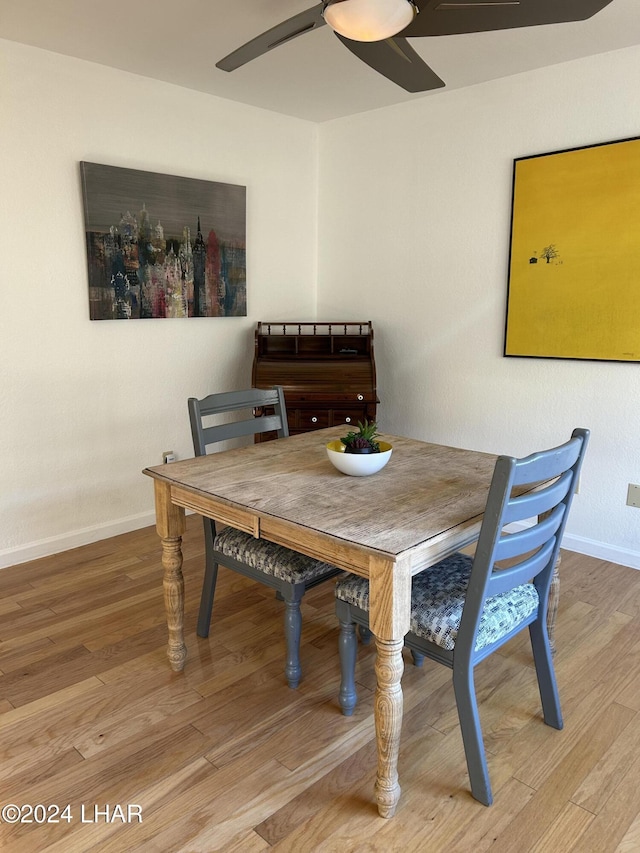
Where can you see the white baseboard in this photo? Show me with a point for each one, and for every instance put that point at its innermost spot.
(74, 539)
(591, 548)
(602, 551)
(87, 535)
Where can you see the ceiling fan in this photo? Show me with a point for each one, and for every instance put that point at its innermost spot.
(390, 54)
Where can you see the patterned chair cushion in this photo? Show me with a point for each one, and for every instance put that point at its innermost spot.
(270, 558)
(437, 599)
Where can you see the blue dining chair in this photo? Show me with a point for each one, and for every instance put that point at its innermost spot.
(239, 414)
(463, 608)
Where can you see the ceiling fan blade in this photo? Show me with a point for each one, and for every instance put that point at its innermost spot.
(395, 59)
(302, 23)
(449, 17)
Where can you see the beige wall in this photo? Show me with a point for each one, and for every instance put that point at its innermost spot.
(84, 406)
(414, 234)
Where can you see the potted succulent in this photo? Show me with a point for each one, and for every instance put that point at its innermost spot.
(359, 453)
(363, 440)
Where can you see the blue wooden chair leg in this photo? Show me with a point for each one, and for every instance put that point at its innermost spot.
(472, 735)
(545, 673)
(365, 635)
(292, 633)
(347, 651)
(418, 658)
(206, 599)
(209, 584)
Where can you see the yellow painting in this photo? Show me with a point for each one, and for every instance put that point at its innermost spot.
(574, 266)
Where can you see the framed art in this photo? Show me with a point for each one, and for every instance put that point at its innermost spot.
(574, 259)
(162, 246)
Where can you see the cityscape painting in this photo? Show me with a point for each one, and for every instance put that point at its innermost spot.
(162, 246)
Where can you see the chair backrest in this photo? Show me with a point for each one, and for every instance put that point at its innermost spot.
(249, 423)
(540, 487)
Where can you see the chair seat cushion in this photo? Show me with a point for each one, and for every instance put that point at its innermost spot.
(437, 599)
(272, 559)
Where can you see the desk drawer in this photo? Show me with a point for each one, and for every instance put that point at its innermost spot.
(304, 416)
(350, 417)
(307, 419)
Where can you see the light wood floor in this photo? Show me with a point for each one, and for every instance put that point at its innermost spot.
(225, 757)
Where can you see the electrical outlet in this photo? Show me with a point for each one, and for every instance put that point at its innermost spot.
(168, 456)
(633, 495)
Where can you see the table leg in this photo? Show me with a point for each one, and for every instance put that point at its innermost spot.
(173, 584)
(170, 526)
(390, 606)
(388, 717)
(554, 598)
(552, 608)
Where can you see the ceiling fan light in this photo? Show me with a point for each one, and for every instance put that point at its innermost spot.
(369, 20)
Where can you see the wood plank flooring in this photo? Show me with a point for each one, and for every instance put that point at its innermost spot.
(224, 757)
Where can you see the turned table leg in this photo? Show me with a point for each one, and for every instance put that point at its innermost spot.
(554, 598)
(552, 608)
(388, 719)
(390, 606)
(170, 526)
(173, 584)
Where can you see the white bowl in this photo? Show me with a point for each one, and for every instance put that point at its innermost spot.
(358, 464)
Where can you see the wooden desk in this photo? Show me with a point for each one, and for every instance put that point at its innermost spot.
(425, 504)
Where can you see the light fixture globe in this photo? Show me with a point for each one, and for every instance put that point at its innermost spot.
(369, 20)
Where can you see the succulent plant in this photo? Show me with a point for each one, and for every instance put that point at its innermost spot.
(362, 441)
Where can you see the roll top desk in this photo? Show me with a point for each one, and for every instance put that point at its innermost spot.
(327, 371)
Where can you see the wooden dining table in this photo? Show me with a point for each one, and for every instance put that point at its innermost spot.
(425, 504)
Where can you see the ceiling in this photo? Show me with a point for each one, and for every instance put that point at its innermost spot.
(312, 77)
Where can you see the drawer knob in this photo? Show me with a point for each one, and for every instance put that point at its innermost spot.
(347, 420)
(314, 420)
(360, 396)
